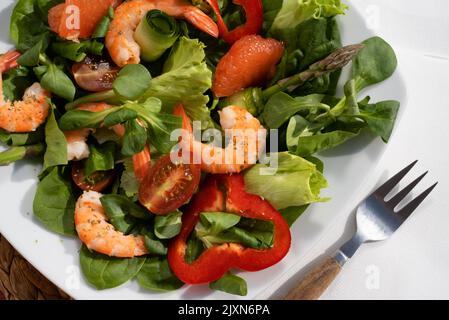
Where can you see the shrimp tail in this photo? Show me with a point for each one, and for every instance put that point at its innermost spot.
(8, 61)
(202, 21)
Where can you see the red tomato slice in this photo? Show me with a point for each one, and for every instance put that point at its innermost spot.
(169, 185)
(97, 181)
(95, 74)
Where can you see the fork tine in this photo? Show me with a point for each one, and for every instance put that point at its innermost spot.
(384, 189)
(412, 205)
(404, 192)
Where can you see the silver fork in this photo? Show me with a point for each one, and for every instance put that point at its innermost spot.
(377, 220)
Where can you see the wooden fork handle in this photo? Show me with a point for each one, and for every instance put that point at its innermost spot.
(316, 281)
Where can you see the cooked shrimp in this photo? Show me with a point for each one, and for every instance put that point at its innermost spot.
(246, 137)
(120, 37)
(77, 148)
(25, 115)
(99, 235)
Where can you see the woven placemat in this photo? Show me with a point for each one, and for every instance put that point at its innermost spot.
(21, 281)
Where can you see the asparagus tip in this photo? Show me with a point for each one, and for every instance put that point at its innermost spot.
(340, 57)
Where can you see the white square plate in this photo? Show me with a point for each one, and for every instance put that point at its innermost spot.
(347, 168)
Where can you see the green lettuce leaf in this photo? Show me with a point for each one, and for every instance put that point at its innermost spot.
(128, 180)
(185, 79)
(297, 182)
(294, 12)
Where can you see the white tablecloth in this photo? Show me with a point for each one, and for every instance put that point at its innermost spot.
(414, 263)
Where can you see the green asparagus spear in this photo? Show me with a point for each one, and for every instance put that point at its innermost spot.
(254, 98)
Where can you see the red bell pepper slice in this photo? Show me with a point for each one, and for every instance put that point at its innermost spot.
(216, 261)
(254, 20)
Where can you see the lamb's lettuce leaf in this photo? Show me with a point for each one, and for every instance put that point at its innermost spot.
(128, 180)
(230, 283)
(215, 228)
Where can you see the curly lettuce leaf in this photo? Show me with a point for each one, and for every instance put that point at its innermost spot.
(294, 12)
(185, 79)
(297, 182)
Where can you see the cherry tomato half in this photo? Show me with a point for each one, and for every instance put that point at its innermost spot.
(169, 185)
(95, 73)
(98, 181)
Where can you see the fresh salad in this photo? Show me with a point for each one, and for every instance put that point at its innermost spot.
(178, 138)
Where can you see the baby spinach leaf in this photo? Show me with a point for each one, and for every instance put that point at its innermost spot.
(132, 81)
(54, 202)
(380, 117)
(134, 140)
(121, 205)
(39, 71)
(306, 44)
(291, 214)
(316, 38)
(128, 181)
(118, 218)
(105, 272)
(45, 5)
(156, 275)
(168, 226)
(230, 283)
(101, 158)
(155, 247)
(27, 27)
(56, 152)
(375, 63)
(119, 116)
(57, 82)
(31, 57)
(15, 82)
(123, 213)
